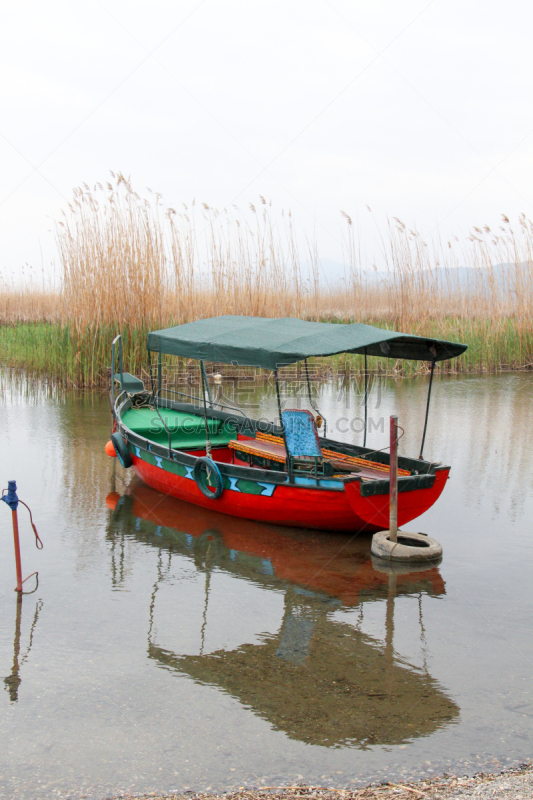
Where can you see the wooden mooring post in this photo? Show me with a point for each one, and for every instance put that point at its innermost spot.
(393, 492)
(415, 547)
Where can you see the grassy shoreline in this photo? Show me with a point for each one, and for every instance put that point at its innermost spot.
(80, 358)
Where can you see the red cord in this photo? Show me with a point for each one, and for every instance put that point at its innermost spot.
(38, 543)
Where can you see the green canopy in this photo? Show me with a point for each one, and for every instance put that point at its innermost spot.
(273, 343)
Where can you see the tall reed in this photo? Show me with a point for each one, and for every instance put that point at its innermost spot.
(131, 264)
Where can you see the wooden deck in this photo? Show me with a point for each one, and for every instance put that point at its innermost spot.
(256, 447)
(272, 448)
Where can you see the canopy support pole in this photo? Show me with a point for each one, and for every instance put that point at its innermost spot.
(315, 408)
(308, 384)
(366, 398)
(427, 409)
(207, 440)
(150, 371)
(204, 376)
(287, 456)
(159, 374)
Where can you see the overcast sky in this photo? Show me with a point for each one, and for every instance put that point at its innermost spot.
(422, 110)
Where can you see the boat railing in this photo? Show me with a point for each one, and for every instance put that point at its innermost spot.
(157, 395)
(165, 427)
(198, 400)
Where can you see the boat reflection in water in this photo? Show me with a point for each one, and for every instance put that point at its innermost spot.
(319, 680)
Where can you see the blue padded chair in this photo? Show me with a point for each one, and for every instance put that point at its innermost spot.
(301, 438)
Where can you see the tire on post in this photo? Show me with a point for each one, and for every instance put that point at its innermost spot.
(410, 547)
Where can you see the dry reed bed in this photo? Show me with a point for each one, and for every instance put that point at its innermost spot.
(130, 265)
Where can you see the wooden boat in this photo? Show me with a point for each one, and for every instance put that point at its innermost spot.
(285, 473)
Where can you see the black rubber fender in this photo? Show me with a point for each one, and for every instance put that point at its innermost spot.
(206, 466)
(121, 449)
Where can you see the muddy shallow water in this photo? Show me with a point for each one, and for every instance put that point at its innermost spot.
(169, 647)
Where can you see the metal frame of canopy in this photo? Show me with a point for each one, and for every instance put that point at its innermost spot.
(241, 340)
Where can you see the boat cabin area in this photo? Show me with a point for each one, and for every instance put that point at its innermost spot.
(205, 428)
(238, 441)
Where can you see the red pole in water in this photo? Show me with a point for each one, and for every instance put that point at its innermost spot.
(393, 495)
(11, 499)
(16, 541)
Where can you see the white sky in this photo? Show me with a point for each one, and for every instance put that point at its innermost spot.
(422, 110)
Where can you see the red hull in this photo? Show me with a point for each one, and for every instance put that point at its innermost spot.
(339, 566)
(298, 506)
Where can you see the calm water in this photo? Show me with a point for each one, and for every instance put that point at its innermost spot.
(170, 647)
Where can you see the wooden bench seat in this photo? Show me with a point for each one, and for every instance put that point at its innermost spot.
(272, 448)
(257, 447)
